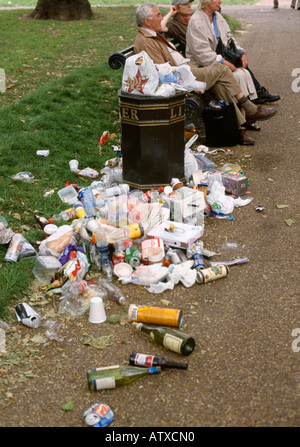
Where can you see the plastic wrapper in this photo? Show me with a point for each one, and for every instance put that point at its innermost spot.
(147, 274)
(217, 199)
(77, 266)
(55, 244)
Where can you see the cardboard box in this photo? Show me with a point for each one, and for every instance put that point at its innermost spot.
(177, 234)
(235, 184)
(186, 203)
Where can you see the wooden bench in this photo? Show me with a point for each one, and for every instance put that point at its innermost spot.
(194, 104)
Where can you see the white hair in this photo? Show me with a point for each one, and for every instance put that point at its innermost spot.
(143, 12)
(203, 4)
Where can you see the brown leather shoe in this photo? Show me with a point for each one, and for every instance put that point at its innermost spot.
(262, 114)
(246, 140)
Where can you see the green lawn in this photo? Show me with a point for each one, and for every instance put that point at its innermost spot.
(61, 95)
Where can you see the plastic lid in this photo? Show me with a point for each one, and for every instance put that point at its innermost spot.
(123, 269)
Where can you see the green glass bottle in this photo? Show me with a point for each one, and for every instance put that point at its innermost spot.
(115, 376)
(169, 338)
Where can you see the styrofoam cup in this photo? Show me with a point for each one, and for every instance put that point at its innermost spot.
(73, 165)
(97, 311)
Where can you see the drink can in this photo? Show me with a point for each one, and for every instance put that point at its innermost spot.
(118, 257)
(212, 273)
(14, 248)
(198, 261)
(133, 256)
(155, 315)
(27, 315)
(104, 137)
(98, 415)
(79, 210)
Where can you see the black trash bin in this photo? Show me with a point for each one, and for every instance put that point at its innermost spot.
(152, 139)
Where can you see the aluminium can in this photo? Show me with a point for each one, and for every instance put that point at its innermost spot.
(212, 273)
(14, 248)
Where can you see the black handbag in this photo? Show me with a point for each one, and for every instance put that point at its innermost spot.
(231, 54)
(221, 127)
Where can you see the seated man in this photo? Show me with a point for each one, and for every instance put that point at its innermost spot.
(181, 11)
(205, 27)
(217, 77)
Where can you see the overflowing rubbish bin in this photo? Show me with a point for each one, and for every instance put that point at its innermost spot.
(152, 139)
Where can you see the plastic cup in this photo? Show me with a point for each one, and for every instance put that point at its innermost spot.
(97, 311)
(50, 229)
(73, 165)
(43, 153)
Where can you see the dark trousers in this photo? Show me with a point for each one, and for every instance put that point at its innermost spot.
(255, 81)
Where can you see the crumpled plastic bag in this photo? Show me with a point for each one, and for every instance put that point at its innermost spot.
(55, 244)
(181, 77)
(5, 234)
(219, 202)
(183, 273)
(146, 274)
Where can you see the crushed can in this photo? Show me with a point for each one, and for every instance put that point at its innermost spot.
(14, 248)
(98, 415)
(212, 273)
(155, 315)
(27, 315)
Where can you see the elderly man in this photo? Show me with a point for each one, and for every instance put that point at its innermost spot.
(217, 77)
(204, 28)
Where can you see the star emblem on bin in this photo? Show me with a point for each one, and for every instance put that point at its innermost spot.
(137, 83)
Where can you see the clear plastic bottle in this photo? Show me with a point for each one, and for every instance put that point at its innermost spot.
(113, 292)
(107, 269)
(122, 188)
(64, 216)
(87, 198)
(74, 288)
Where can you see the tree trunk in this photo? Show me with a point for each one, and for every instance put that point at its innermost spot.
(62, 10)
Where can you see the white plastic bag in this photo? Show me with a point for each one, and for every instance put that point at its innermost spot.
(190, 164)
(140, 75)
(185, 80)
(219, 202)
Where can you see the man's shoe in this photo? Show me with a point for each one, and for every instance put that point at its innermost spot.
(246, 140)
(262, 114)
(264, 96)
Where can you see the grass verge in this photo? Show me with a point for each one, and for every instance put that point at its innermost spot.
(61, 95)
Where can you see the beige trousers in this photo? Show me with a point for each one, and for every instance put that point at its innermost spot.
(219, 79)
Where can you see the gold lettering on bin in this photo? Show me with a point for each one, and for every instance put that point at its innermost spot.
(129, 113)
(175, 114)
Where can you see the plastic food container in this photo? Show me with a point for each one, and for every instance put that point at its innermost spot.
(68, 195)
